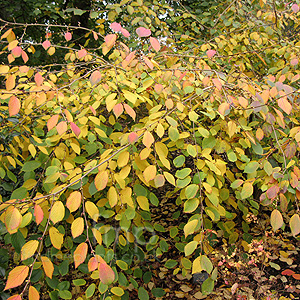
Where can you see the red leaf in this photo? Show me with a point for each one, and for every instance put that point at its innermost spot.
(24, 57)
(80, 254)
(296, 276)
(75, 129)
(106, 273)
(155, 44)
(46, 44)
(130, 111)
(110, 40)
(132, 137)
(210, 53)
(81, 53)
(38, 78)
(116, 27)
(95, 77)
(39, 214)
(68, 36)
(16, 277)
(125, 32)
(143, 32)
(118, 109)
(14, 106)
(287, 272)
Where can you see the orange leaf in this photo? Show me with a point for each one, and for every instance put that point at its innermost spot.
(48, 266)
(158, 88)
(24, 57)
(224, 109)
(75, 129)
(61, 127)
(16, 277)
(14, 106)
(10, 82)
(33, 294)
(15, 297)
(285, 105)
(287, 272)
(93, 264)
(155, 44)
(95, 77)
(106, 273)
(132, 137)
(118, 109)
(80, 254)
(217, 83)
(130, 111)
(296, 276)
(52, 122)
(74, 201)
(39, 214)
(148, 62)
(13, 219)
(148, 139)
(81, 53)
(38, 78)
(110, 40)
(46, 44)
(101, 180)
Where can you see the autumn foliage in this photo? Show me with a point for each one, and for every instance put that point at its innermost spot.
(91, 145)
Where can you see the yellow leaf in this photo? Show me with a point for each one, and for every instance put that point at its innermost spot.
(92, 210)
(80, 254)
(130, 96)
(77, 227)
(29, 249)
(57, 212)
(12, 219)
(160, 130)
(16, 277)
(295, 224)
(56, 238)
(143, 202)
(74, 201)
(112, 196)
(148, 139)
(276, 219)
(190, 227)
(98, 236)
(149, 173)
(231, 128)
(101, 180)
(33, 294)
(48, 266)
(123, 159)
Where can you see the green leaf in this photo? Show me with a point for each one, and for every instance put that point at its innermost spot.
(247, 190)
(183, 173)
(207, 286)
(191, 205)
(191, 191)
(251, 167)
(190, 248)
(171, 263)
(173, 134)
(65, 294)
(90, 290)
(122, 265)
(31, 165)
(191, 150)
(179, 161)
(143, 294)
(206, 264)
(117, 291)
(158, 292)
(79, 282)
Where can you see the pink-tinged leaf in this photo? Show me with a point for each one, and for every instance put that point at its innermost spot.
(74, 201)
(15, 297)
(39, 214)
(75, 129)
(10, 58)
(295, 8)
(106, 273)
(14, 106)
(148, 62)
(129, 58)
(16, 277)
(25, 57)
(148, 139)
(287, 272)
(132, 137)
(61, 127)
(46, 44)
(52, 122)
(92, 110)
(159, 180)
(80, 254)
(95, 35)
(158, 88)
(272, 192)
(125, 32)
(276, 219)
(110, 40)
(217, 83)
(93, 264)
(181, 76)
(95, 77)
(68, 36)
(294, 61)
(130, 111)
(38, 78)
(224, 109)
(210, 53)
(155, 44)
(295, 224)
(17, 51)
(33, 294)
(116, 27)
(118, 109)
(143, 32)
(81, 53)
(285, 105)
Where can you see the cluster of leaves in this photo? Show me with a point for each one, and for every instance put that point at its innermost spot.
(90, 146)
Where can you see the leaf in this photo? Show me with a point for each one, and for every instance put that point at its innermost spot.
(118, 109)
(285, 105)
(52, 122)
(56, 238)
(15, 297)
(16, 277)
(110, 40)
(10, 82)
(101, 180)
(295, 224)
(95, 77)
(12, 219)
(210, 53)
(14, 106)
(98, 236)
(148, 139)
(29, 249)
(68, 36)
(149, 173)
(106, 273)
(80, 254)
(75, 129)
(132, 137)
(143, 32)
(159, 180)
(287, 272)
(77, 227)
(148, 62)
(130, 111)
(143, 202)
(46, 44)
(276, 219)
(16, 52)
(155, 44)
(130, 96)
(33, 294)
(92, 210)
(125, 32)
(247, 190)
(224, 109)
(47, 266)
(190, 227)
(190, 248)
(25, 57)
(116, 27)
(81, 53)
(61, 127)
(295, 8)
(39, 214)
(57, 212)
(38, 78)
(74, 201)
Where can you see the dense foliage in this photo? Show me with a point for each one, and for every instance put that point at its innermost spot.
(162, 104)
